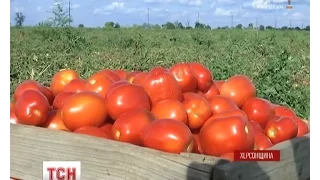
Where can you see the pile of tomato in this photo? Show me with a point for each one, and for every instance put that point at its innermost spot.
(178, 109)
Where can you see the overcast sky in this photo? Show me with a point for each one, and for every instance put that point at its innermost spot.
(93, 13)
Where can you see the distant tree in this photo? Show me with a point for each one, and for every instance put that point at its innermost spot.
(168, 25)
(156, 26)
(225, 27)
(250, 26)
(188, 27)
(178, 25)
(297, 28)
(207, 27)
(307, 28)
(116, 25)
(269, 27)
(239, 26)
(19, 19)
(109, 24)
(60, 15)
(284, 28)
(81, 26)
(261, 28)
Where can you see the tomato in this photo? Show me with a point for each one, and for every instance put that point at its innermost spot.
(125, 98)
(203, 76)
(83, 109)
(106, 72)
(255, 126)
(140, 78)
(281, 129)
(115, 85)
(61, 79)
(76, 86)
(238, 88)
(48, 93)
(225, 135)
(54, 121)
(228, 156)
(60, 99)
(198, 109)
(259, 110)
(167, 135)
(162, 86)
(128, 126)
(261, 141)
(196, 147)
(26, 85)
(219, 104)
(158, 69)
(107, 128)
(303, 127)
(13, 117)
(92, 131)
(170, 109)
(200, 93)
(230, 113)
(99, 84)
(219, 84)
(121, 73)
(212, 92)
(183, 74)
(284, 111)
(32, 108)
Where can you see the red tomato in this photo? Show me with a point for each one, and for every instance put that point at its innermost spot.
(212, 92)
(167, 135)
(170, 109)
(196, 147)
(230, 113)
(255, 126)
(99, 84)
(92, 131)
(139, 78)
(303, 127)
(238, 88)
(76, 86)
(203, 76)
(259, 110)
(284, 111)
(200, 93)
(48, 93)
(116, 84)
(219, 84)
(158, 69)
(237, 133)
(60, 99)
(281, 129)
(83, 109)
(219, 104)
(26, 85)
(162, 86)
(13, 117)
(128, 126)
(32, 108)
(107, 128)
(54, 121)
(228, 156)
(183, 74)
(261, 141)
(109, 73)
(125, 98)
(61, 79)
(198, 110)
(121, 73)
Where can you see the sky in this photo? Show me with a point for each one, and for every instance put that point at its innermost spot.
(94, 13)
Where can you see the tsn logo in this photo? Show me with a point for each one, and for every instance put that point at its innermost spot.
(61, 170)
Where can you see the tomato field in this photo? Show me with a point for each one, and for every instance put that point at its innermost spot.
(166, 90)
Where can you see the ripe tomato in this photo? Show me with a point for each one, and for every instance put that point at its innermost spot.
(219, 84)
(83, 109)
(26, 85)
(48, 93)
(203, 76)
(121, 73)
(99, 84)
(54, 121)
(200, 93)
(219, 104)
(107, 128)
(196, 147)
(255, 126)
(228, 156)
(230, 113)
(32, 108)
(162, 86)
(212, 92)
(76, 86)
(60, 99)
(131, 75)
(167, 135)
(281, 129)
(238, 88)
(303, 127)
(170, 109)
(237, 133)
(183, 74)
(61, 79)
(128, 126)
(92, 131)
(13, 117)
(139, 78)
(261, 141)
(158, 69)
(284, 111)
(198, 109)
(115, 85)
(106, 72)
(125, 98)
(259, 110)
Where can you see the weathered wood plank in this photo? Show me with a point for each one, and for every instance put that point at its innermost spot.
(294, 164)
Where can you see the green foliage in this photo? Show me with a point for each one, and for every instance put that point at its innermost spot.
(19, 19)
(60, 16)
(277, 61)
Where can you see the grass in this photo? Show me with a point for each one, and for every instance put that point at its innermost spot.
(277, 61)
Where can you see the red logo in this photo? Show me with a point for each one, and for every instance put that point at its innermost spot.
(61, 170)
(257, 155)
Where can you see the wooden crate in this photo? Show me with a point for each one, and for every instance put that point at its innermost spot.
(106, 160)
